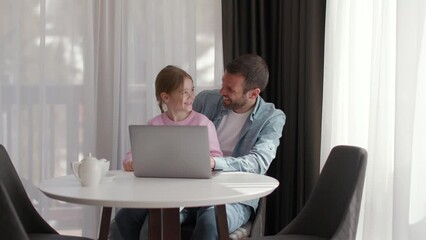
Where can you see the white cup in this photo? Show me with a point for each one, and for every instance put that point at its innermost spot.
(88, 171)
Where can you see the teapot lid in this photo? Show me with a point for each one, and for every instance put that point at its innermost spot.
(90, 157)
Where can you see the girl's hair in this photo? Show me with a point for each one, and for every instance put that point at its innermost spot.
(168, 80)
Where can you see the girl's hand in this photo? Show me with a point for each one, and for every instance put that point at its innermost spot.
(128, 165)
(212, 163)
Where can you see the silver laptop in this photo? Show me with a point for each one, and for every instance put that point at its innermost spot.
(170, 151)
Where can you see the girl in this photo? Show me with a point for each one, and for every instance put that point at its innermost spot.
(174, 90)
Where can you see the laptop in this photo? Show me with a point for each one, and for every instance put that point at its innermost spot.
(170, 151)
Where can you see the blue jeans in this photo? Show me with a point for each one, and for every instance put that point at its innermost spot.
(132, 225)
(237, 214)
(129, 222)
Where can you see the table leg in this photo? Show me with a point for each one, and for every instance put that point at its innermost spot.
(160, 219)
(164, 224)
(154, 224)
(105, 222)
(221, 222)
(171, 223)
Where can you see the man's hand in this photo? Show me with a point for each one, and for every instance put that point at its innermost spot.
(128, 165)
(212, 163)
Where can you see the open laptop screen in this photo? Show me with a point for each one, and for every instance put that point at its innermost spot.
(170, 151)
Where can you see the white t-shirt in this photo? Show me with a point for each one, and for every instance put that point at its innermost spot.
(229, 131)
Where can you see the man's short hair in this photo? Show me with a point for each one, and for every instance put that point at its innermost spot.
(253, 68)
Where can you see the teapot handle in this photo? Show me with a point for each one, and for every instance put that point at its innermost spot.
(75, 166)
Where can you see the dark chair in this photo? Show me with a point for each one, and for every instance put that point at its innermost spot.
(19, 219)
(332, 209)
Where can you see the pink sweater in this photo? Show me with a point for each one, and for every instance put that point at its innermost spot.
(194, 119)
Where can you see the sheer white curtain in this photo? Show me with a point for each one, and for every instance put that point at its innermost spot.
(75, 73)
(374, 97)
(47, 101)
(157, 33)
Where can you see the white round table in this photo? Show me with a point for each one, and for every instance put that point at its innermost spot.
(163, 195)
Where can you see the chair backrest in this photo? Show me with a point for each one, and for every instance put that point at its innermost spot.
(30, 219)
(10, 225)
(332, 209)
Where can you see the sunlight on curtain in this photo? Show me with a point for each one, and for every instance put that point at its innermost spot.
(156, 33)
(46, 105)
(75, 73)
(374, 97)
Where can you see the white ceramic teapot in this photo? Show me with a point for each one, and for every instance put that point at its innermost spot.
(88, 171)
(105, 166)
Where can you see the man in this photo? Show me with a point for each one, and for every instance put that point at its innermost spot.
(249, 130)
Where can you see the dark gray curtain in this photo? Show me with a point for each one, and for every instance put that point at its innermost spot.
(289, 35)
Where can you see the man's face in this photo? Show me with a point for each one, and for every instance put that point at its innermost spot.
(233, 94)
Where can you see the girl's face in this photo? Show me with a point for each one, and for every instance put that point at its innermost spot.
(181, 99)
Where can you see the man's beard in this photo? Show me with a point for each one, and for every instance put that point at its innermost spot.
(235, 105)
